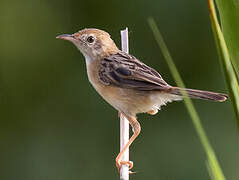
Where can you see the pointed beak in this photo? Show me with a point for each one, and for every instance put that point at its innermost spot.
(68, 37)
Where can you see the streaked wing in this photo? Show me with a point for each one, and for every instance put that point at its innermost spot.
(124, 70)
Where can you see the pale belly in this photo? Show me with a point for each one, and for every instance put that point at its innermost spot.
(132, 102)
(126, 100)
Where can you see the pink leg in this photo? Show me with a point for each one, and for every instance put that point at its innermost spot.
(136, 129)
(119, 113)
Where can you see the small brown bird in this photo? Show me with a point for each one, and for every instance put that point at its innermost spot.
(126, 83)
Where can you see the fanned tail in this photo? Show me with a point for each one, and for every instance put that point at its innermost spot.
(199, 94)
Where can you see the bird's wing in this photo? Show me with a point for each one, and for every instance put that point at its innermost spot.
(125, 71)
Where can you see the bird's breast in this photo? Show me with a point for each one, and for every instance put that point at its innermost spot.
(109, 93)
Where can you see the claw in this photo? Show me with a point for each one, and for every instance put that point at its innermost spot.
(130, 164)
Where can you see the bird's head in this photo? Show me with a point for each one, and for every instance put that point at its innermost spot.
(93, 43)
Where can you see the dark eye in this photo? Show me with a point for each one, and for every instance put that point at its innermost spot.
(90, 39)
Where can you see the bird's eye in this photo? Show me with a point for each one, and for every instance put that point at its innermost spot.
(90, 39)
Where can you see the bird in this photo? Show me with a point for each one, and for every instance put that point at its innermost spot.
(126, 83)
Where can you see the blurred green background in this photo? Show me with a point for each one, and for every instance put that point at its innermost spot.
(54, 126)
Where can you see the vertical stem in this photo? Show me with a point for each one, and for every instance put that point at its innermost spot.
(124, 123)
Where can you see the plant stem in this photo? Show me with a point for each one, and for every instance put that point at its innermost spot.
(230, 75)
(124, 123)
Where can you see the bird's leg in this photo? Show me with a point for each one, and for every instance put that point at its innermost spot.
(136, 129)
(119, 113)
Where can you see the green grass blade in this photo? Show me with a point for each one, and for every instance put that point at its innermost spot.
(215, 170)
(230, 75)
(229, 17)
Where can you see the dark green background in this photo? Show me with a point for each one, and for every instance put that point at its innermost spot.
(54, 126)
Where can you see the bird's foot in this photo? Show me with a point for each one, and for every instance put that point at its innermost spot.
(130, 164)
(153, 112)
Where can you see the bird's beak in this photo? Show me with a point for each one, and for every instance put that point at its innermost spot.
(68, 37)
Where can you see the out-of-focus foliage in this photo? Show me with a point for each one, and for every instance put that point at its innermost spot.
(55, 126)
(214, 167)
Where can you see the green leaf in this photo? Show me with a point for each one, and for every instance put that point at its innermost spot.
(229, 17)
(213, 165)
(225, 58)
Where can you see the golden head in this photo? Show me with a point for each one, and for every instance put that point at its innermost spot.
(93, 43)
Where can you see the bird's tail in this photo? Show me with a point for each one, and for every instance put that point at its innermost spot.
(199, 94)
